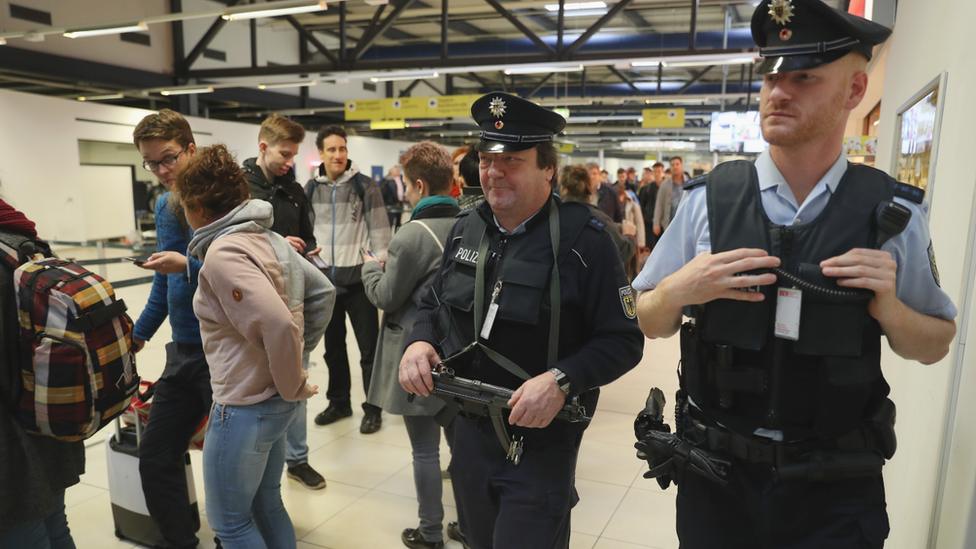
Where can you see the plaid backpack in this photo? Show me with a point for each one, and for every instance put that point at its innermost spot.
(77, 365)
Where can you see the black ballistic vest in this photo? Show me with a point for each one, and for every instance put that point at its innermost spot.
(825, 383)
(523, 264)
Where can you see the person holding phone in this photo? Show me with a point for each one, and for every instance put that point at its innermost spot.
(397, 288)
(183, 394)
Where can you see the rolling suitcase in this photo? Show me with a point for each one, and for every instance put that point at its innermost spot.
(132, 520)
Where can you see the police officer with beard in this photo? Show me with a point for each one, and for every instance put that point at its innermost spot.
(791, 268)
(531, 295)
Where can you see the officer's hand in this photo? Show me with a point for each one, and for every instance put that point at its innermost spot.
(296, 243)
(536, 402)
(869, 269)
(657, 231)
(415, 368)
(709, 277)
(166, 263)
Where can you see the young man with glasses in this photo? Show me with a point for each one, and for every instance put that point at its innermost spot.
(183, 394)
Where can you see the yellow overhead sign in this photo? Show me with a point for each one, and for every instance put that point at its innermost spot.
(368, 109)
(663, 118)
(447, 106)
(387, 124)
(406, 107)
(444, 106)
(565, 148)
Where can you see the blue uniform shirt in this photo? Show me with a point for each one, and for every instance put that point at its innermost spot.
(688, 235)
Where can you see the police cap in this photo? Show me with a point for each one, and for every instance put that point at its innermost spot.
(797, 35)
(509, 123)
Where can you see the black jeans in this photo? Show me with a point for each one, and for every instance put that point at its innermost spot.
(182, 399)
(366, 325)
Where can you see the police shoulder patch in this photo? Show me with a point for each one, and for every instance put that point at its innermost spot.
(910, 192)
(627, 301)
(933, 266)
(596, 223)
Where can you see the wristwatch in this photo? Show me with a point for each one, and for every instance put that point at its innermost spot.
(561, 379)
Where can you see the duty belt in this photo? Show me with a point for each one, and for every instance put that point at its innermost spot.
(758, 450)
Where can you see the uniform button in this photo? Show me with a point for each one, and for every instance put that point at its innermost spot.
(797, 221)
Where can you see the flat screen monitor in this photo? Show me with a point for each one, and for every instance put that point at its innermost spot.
(736, 132)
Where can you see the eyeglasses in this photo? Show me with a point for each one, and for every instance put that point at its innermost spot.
(167, 161)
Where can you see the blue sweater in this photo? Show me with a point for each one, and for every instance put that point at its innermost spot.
(171, 294)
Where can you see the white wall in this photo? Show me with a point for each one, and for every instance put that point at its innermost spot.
(40, 162)
(926, 42)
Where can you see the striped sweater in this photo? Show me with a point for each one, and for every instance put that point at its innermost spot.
(344, 224)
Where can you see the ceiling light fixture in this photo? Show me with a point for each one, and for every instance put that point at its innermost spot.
(300, 84)
(540, 70)
(703, 62)
(187, 91)
(274, 12)
(393, 77)
(577, 6)
(138, 27)
(100, 97)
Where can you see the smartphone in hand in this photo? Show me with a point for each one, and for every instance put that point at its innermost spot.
(135, 261)
(317, 261)
(364, 251)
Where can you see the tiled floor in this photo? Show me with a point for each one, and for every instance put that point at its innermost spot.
(370, 496)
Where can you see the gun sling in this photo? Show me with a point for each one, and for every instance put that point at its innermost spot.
(513, 447)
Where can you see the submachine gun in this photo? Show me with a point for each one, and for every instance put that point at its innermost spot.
(484, 399)
(666, 453)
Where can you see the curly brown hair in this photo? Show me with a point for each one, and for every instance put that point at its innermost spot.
(429, 161)
(576, 182)
(212, 180)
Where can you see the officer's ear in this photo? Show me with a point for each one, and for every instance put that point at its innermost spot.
(421, 187)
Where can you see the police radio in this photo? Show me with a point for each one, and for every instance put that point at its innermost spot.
(890, 219)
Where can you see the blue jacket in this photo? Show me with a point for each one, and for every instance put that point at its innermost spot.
(171, 294)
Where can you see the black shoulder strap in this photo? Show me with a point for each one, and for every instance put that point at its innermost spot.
(19, 249)
(696, 182)
(909, 192)
(360, 189)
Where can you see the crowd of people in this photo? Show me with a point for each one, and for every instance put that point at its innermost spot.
(516, 275)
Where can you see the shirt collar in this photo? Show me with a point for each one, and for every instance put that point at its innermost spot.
(770, 176)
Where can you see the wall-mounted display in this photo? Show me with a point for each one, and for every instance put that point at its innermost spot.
(736, 132)
(918, 126)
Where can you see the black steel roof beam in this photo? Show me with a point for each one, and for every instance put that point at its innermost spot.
(561, 25)
(431, 86)
(520, 26)
(367, 40)
(625, 80)
(693, 80)
(693, 32)
(342, 31)
(437, 62)
(205, 41)
(304, 33)
(637, 20)
(444, 28)
(575, 46)
(478, 79)
(405, 92)
(539, 85)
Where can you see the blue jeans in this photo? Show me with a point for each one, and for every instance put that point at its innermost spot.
(242, 461)
(425, 439)
(296, 447)
(49, 533)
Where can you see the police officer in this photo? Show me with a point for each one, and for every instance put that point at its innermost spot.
(778, 265)
(519, 340)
